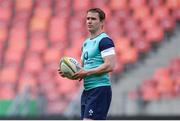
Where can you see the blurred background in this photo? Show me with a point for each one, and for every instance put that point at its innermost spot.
(35, 34)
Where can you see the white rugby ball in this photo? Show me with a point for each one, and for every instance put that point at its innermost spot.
(69, 66)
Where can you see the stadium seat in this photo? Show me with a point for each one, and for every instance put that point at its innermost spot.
(5, 10)
(52, 55)
(134, 34)
(38, 24)
(122, 14)
(129, 55)
(17, 39)
(38, 43)
(116, 5)
(161, 12)
(164, 82)
(57, 25)
(130, 24)
(33, 63)
(67, 87)
(45, 3)
(155, 34)
(149, 90)
(133, 4)
(155, 3)
(140, 13)
(172, 4)
(43, 12)
(114, 25)
(13, 56)
(1, 53)
(61, 8)
(21, 19)
(22, 5)
(80, 5)
(141, 45)
(7, 92)
(3, 31)
(176, 14)
(6, 71)
(99, 3)
(168, 23)
(148, 23)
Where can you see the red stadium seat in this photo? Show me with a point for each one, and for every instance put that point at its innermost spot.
(7, 92)
(118, 4)
(122, 43)
(114, 25)
(155, 3)
(62, 8)
(23, 5)
(175, 68)
(58, 30)
(140, 13)
(67, 86)
(43, 12)
(149, 90)
(177, 85)
(176, 14)
(38, 24)
(5, 9)
(17, 39)
(130, 24)
(165, 83)
(172, 4)
(122, 14)
(133, 4)
(6, 71)
(166, 87)
(161, 12)
(73, 52)
(148, 23)
(81, 5)
(168, 23)
(141, 45)
(13, 56)
(129, 55)
(33, 63)
(52, 55)
(3, 34)
(45, 3)
(99, 3)
(155, 34)
(38, 43)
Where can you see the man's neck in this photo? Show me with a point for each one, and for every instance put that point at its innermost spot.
(95, 34)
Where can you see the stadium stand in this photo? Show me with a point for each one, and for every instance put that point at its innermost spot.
(34, 35)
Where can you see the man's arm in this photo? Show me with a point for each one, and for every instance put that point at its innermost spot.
(107, 66)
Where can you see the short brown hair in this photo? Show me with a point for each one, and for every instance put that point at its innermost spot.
(101, 13)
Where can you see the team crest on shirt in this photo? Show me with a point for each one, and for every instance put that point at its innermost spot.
(86, 55)
(85, 44)
(94, 42)
(91, 112)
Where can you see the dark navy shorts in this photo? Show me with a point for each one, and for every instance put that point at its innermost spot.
(95, 103)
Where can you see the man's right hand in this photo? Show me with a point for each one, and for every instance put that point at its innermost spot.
(61, 73)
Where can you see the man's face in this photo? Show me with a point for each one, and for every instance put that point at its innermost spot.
(93, 22)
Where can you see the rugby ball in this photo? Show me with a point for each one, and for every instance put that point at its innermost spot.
(69, 66)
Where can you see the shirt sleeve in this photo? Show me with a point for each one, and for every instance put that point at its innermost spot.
(106, 47)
